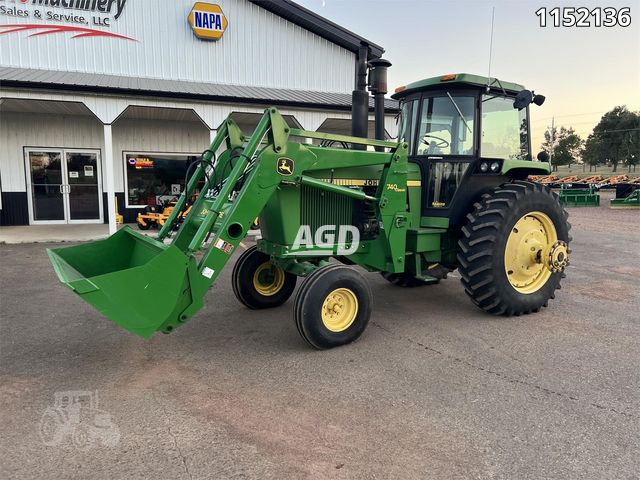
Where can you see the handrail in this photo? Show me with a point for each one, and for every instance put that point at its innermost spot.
(296, 132)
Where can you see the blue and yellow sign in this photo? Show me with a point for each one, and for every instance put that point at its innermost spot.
(207, 21)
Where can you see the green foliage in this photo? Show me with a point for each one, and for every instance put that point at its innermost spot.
(564, 146)
(615, 139)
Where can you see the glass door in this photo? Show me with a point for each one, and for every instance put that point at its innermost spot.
(64, 186)
(46, 193)
(83, 186)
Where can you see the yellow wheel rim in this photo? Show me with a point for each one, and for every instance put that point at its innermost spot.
(339, 310)
(529, 243)
(268, 279)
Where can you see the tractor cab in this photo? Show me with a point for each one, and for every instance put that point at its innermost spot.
(461, 129)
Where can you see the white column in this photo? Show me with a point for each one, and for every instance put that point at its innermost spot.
(110, 178)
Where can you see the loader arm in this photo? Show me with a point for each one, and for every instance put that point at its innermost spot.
(147, 285)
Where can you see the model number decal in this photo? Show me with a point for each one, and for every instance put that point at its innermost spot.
(394, 187)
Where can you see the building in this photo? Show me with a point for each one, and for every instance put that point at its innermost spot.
(112, 100)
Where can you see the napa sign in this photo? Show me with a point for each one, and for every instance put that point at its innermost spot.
(207, 21)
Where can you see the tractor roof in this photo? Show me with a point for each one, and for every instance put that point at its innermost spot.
(457, 80)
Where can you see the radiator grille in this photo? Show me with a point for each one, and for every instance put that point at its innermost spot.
(324, 208)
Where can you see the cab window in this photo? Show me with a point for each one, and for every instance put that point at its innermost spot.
(408, 116)
(504, 130)
(446, 126)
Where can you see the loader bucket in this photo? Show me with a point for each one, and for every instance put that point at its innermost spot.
(135, 281)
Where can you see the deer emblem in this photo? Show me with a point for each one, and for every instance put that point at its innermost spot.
(285, 166)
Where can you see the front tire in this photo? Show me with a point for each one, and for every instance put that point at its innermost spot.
(514, 248)
(332, 307)
(258, 284)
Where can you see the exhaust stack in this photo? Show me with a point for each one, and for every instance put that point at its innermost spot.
(360, 99)
(378, 87)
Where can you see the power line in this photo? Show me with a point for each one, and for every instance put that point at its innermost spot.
(615, 131)
(570, 123)
(571, 115)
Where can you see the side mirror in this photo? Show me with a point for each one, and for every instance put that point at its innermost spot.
(543, 157)
(523, 99)
(539, 100)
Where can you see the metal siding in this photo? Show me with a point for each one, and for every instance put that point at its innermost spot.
(257, 49)
(56, 131)
(41, 130)
(18, 130)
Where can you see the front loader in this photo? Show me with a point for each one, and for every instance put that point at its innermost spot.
(450, 194)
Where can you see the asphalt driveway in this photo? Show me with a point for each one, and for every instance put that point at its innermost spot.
(433, 389)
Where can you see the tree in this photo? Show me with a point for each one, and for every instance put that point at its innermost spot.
(550, 138)
(615, 139)
(564, 146)
(568, 149)
(591, 154)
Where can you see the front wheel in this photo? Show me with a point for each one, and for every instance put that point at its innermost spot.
(259, 284)
(514, 249)
(332, 307)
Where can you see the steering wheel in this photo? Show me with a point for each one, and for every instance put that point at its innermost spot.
(442, 143)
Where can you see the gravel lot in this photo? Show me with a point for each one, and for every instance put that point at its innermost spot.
(433, 389)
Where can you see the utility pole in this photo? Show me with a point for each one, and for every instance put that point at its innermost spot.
(553, 139)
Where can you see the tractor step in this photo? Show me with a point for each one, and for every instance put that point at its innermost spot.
(137, 282)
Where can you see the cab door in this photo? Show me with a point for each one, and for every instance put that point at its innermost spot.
(442, 137)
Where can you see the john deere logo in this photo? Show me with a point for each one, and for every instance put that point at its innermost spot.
(207, 21)
(285, 166)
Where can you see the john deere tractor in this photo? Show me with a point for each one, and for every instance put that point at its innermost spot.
(450, 193)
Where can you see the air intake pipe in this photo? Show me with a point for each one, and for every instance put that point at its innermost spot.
(378, 87)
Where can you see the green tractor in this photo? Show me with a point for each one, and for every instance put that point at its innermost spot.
(451, 193)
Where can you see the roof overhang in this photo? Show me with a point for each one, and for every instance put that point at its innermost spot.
(174, 89)
(319, 25)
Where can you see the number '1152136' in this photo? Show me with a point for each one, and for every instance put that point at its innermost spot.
(583, 17)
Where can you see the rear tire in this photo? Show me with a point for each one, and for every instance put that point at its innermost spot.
(332, 307)
(258, 284)
(486, 270)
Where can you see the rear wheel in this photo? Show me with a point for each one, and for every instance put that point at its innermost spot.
(332, 307)
(259, 284)
(514, 249)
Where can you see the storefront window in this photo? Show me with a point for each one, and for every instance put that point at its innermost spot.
(152, 178)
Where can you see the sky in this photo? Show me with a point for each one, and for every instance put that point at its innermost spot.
(583, 72)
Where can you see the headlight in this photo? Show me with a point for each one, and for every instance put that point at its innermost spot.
(495, 166)
(484, 166)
